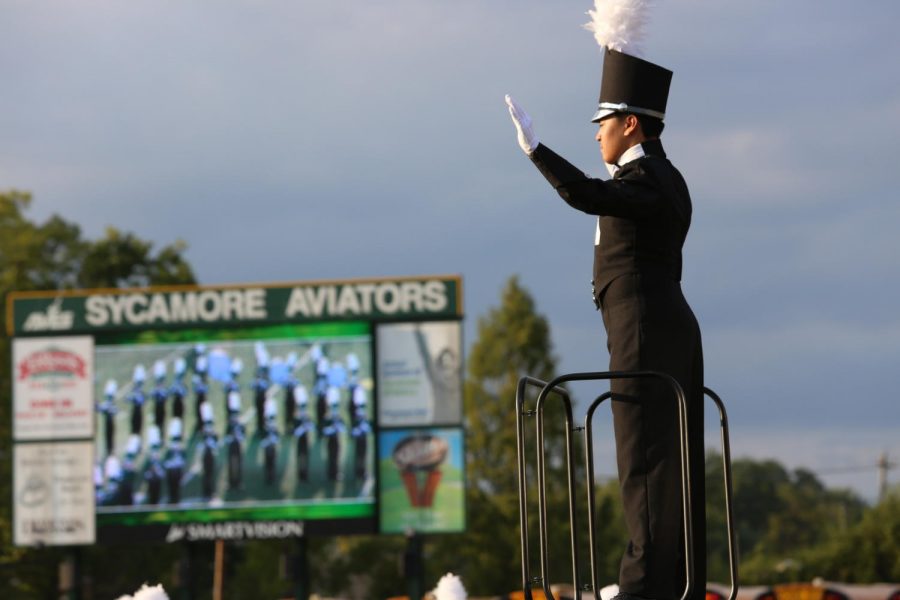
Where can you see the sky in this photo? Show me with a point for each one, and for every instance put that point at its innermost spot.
(320, 140)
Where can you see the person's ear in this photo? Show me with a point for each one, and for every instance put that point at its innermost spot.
(631, 124)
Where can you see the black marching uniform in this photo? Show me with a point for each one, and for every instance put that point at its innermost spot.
(644, 214)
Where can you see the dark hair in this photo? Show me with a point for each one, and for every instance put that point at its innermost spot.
(650, 126)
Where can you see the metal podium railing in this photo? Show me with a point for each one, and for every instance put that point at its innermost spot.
(546, 388)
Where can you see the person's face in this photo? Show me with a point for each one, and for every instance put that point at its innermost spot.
(616, 135)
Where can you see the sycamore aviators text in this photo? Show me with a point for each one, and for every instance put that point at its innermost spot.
(250, 303)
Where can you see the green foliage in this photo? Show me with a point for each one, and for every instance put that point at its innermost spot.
(513, 340)
(784, 521)
(124, 260)
(120, 569)
(611, 533)
(259, 569)
(869, 551)
(51, 256)
(361, 567)
(34, 256)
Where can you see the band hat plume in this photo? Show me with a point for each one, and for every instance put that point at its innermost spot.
(629, 83)
(619, 24)
(450, 587)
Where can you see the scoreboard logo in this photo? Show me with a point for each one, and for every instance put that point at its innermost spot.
(53, 319)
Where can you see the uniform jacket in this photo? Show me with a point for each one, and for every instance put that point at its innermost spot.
(644, 212)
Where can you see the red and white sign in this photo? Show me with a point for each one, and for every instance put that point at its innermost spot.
(53, 381)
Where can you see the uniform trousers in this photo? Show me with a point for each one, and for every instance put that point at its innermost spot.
(650, 326)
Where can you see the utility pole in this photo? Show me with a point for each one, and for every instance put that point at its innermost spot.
(884, 465)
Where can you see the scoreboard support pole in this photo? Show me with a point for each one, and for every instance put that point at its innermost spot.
(71, 575)
(413, 566)
(301, 569)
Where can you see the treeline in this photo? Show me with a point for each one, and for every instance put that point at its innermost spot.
(790, 526)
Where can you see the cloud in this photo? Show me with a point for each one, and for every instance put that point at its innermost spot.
(748, 165)
(840, 456)
(812, 341)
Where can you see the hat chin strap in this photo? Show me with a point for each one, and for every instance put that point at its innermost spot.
(606, 108)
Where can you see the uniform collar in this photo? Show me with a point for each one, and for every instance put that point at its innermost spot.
(633, 153)
(649, 147)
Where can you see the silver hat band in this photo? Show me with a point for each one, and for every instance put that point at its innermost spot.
(622, 107)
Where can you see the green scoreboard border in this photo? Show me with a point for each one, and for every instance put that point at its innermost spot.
(123, 311)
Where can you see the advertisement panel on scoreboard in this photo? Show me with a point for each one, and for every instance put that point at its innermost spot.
(53, 499)
(422, 480)
(52, 380)
(419, 373)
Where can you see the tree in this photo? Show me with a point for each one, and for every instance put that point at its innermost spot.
(870, 551)
(54, 256)
(34, 257)
(124, 260)
(513, 340)
(783, 519)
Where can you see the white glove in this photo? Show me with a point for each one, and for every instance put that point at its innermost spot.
(528, 141)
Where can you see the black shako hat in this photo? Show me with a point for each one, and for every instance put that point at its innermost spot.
(632, 85)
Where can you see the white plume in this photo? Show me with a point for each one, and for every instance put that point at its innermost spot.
(359, 396)
(154, 437)
(159, 369)
(450, 587)
(322, 366)
(619, 24)
(133, 446)
(148, 593)
(262, 355)
(270, 408)
(175, 428)
(206, 412)
(234, 401)
(333, 396)
(112, 467)
(300, 395)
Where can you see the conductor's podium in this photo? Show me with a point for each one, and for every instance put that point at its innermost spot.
(554, 388)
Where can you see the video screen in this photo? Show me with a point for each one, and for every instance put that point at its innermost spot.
(271, 422)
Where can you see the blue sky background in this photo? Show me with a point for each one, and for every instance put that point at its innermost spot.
(298, 140)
